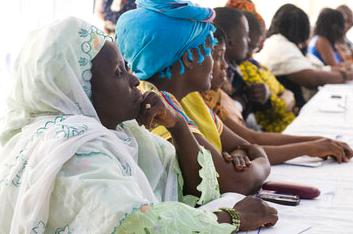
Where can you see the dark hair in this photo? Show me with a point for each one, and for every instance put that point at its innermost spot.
(227, 19)
(292, 22)
(255, 27)
(330, 24)
(219, 35)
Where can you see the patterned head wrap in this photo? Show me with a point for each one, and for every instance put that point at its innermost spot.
(246, 5)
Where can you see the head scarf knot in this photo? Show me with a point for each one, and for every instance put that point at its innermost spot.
(154, 36)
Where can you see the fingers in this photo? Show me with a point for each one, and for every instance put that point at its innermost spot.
(259, 92)
(237, 163)
(347, 150)
(253, 151)
(150, 108)
(227, 157)
(239, 160)
(272, 220)
(338, 154)
(341, 152)
(247, 162)
(271, 216)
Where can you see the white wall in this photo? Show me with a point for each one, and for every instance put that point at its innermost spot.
(18, 17)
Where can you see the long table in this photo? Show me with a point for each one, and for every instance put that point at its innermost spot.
(329, 113)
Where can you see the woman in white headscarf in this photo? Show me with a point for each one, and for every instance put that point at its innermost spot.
(65, 166)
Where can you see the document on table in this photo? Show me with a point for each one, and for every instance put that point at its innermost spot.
(334, 103)
(307, 161)
(282, 227)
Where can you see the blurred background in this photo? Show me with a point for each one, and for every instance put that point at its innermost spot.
(18, 17)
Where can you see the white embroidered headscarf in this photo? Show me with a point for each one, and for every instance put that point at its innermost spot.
(54, 60)
(50, 118)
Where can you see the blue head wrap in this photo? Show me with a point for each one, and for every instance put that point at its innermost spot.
(154, 36)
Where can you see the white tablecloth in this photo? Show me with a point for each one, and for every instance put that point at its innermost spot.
(329, 113)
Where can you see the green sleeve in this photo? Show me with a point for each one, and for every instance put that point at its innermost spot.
(208, 187)
(172, 217)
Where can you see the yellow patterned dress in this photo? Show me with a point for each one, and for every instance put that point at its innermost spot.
(277, 117)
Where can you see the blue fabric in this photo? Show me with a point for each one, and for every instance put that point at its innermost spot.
(154, 36)
(314, 51)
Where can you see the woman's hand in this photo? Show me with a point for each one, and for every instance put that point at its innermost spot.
(252, 151)
(326, 147)
(288, 98)
(155, 111)
(239, 159)
(259, 93)
(255, 213)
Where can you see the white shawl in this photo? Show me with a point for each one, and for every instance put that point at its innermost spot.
(51, 123)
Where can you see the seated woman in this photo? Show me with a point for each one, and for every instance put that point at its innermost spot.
(70, 164)
(329, 29)
(345, 46)
(279, 147)
(253, 97)
(288, 33)
(180, 47)
(278, 113)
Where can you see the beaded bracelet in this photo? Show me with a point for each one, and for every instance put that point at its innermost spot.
(235, 217)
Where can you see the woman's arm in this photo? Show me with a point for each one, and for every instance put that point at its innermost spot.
(319, 148)
(245, 182)
(326, 51)
(168, 217)
(187, 148)
(230, 180)
(264, 138)
(310, 78)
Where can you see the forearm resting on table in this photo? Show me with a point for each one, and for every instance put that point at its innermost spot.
(245, 182)
(263, 138)
(167, 217)
(280, 154)
(315, 78)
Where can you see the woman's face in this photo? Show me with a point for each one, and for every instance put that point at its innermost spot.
(114, 90)
(200, 76)
(254, 44)
(220, 66)
(237, 46)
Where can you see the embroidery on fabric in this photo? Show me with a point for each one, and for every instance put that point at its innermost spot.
(16, 181)
(50, 123)
(127, 169)
(64, 230)
(68, 131)
(91, 154)
(39, 228)
(15, 170)
(91, 44)
(14, 173)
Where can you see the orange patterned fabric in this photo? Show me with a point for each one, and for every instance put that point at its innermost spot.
(246, 5)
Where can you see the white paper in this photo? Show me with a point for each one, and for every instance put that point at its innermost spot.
(307, 161)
